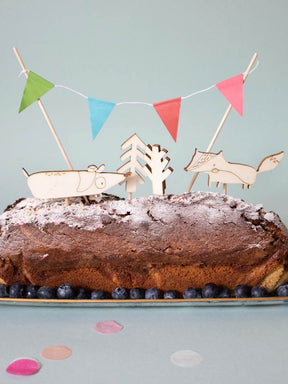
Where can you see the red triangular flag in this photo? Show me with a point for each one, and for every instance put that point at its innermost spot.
(169, 113)
(232, 90)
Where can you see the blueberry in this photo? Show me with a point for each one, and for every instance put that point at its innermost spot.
(82, 294)
(31, 291)
(4, 290)
(120, 293)
(192, 293)
(224, 293)
(259, 292)
(98, 294)
(282, 290)
(170, 294)
(66, 291)
(210, 291)
(46, 293)
(137, 293)
(242, 291)
(17, 291)
(152, 294)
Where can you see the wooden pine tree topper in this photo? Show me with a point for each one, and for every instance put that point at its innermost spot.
(221, 171)
(155, 168)
(132, 165)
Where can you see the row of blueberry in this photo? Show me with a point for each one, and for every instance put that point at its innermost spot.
(67, 291)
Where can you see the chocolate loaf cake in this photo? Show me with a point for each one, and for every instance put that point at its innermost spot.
(167, 242)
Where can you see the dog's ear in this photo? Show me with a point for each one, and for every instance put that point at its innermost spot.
(101, 168)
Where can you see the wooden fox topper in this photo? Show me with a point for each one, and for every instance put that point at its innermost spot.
(60, 184)
(221, 171)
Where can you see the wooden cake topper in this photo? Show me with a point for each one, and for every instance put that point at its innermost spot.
(93, 181)
(59, 184)
(221, 171)
(47, 118)
(133, 165)
(224, 118)
(155, 168)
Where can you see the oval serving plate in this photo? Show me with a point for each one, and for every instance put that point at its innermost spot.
(145, 303)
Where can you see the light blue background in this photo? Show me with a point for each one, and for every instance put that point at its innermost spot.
(238, 345)
(149, 51)
(145, 51)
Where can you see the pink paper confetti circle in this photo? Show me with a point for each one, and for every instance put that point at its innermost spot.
(186, 358)
(23, 367)
(56, 352)
(108, 327)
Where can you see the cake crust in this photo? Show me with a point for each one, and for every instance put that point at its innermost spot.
(167, 242)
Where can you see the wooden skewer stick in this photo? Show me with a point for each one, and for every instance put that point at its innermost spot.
(45, 113)
(223, 120)
(47, 119)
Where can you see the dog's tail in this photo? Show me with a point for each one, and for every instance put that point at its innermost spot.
(25, 172)
(270, 162)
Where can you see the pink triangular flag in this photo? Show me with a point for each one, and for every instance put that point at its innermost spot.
(169, 113)
(232, 90)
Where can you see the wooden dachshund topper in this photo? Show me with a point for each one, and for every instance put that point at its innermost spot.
(60, 184)
(221, 171)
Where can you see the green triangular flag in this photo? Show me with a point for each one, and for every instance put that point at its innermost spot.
(35, 87)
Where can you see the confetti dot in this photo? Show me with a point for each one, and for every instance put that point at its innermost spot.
(23, 367)
(56, 352)
(108, 327)
(186, 358)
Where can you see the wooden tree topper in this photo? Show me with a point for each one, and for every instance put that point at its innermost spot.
(133, 165)
(155, 168)
(221, 171)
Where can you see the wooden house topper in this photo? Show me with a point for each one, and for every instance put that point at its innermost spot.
(221, 171)
(64, 184)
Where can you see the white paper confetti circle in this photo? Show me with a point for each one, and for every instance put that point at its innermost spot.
(186, 358)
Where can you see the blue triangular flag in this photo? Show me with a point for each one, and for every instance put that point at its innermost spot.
(99, 111)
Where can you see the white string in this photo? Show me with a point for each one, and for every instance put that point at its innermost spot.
(212, 86)
(196, 93)
(255, 67)
(142, 102)
(23, 71)
(72, 90)
(135, 102)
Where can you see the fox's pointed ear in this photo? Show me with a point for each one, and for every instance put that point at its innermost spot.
(220, 152)
(196, 150)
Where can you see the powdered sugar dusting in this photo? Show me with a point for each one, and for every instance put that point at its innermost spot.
(269, 216)
(42, 212)
(103, 211)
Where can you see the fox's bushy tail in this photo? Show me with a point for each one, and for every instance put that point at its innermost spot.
(270, 162)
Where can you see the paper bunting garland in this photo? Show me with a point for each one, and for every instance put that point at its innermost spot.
(99, 111)
(169, 113)
(232, 90)
(35, 88)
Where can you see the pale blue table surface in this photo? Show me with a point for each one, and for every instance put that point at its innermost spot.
(238, 344)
